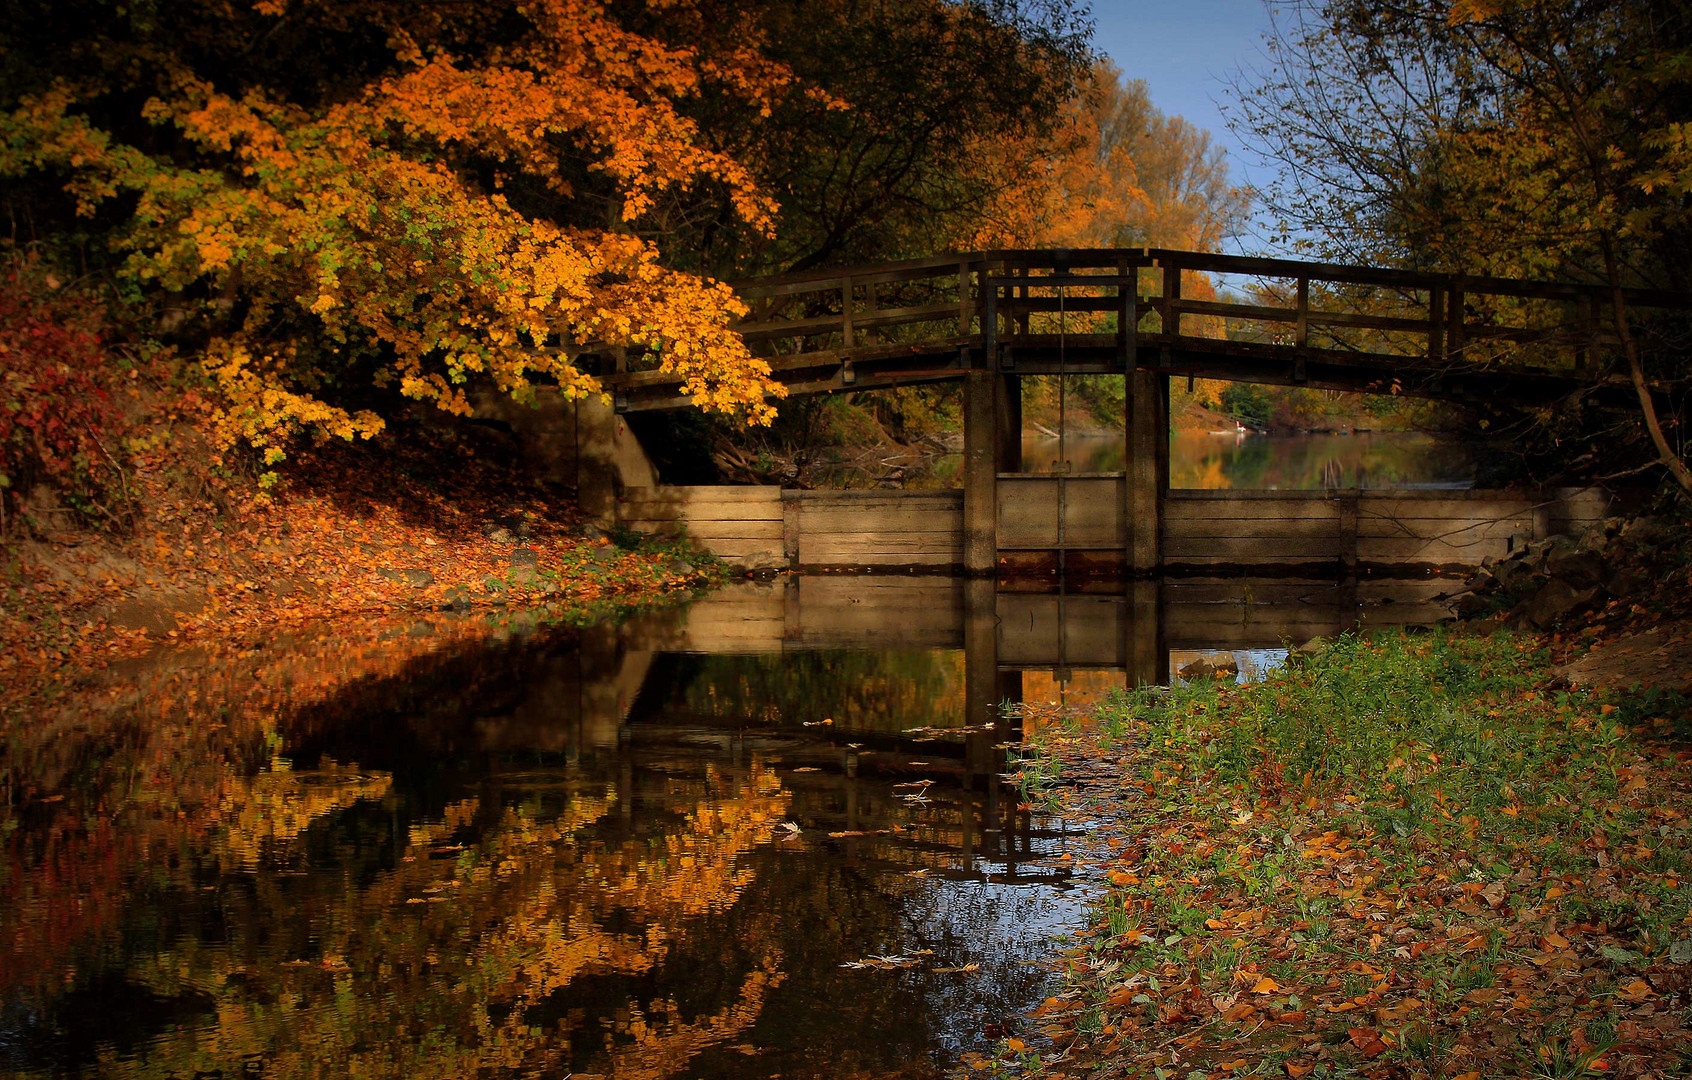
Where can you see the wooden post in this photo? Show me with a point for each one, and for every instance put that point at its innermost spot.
(1148, 468)
(981, 480)
(1301, 328)
(1436, 324)
(847, 338)
(1171, 297)
(1454, 324)
(1128, 317)
(966, 303)
(791, 502)
(1346, 504)
(1008, 413)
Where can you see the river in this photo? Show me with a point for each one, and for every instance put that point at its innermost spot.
(764, 834)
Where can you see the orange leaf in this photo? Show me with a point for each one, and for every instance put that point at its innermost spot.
(1266, 985)
(1367, 1042)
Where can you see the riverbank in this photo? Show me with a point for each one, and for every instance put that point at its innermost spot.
(1400, 857)
(399, 530)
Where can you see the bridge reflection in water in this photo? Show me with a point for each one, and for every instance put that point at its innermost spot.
(837, 675)
(665, 848)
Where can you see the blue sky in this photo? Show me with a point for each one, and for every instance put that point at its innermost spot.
(1186, 50)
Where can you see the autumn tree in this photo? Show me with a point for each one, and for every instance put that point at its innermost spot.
(1117, 172)
(1531, 138)
(460, 202)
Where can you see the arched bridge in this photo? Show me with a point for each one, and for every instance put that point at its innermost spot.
(990, 318)
(1158, 311)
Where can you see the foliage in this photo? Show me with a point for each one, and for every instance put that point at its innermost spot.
(366, 240)
(1534, 139)
(1117, 173)
(1398, 857)
(1248, 403)
(57, 415)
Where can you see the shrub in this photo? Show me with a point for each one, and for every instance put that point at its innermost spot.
(56, 411)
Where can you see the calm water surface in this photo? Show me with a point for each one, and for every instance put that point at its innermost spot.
(1277, 462)
(761, 836)
(1197, 459)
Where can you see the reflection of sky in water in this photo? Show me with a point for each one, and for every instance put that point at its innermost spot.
(1255, 664)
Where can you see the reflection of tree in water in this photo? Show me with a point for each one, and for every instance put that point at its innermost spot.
(373, 879)
(883, 691)
(1318, 462)
(431, 957)
(408, 948)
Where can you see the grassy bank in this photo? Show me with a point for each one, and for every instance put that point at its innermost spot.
(1402, 857)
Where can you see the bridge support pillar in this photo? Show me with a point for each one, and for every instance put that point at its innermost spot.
(981, 393)
(1147, 469)
(609, 460)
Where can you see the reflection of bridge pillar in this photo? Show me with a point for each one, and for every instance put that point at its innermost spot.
(1146, 650)
(981, 676)
(1147, 468)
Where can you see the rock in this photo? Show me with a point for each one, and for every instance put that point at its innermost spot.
(1627, 582)
(680, 568)
(608, 553)
(1208, 667)
(501, 535)
(594, 533)
(523, 577)
(1312, 647)
(1468, 604)
(1643, 532)
(1582, 569)
(525, 556)
(457, 600)
(1554, 601)
(1516, 575)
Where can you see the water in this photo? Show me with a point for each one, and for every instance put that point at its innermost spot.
(1278, 462)
(1309, 462)
(685, 845)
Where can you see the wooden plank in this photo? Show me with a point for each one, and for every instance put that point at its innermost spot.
(1448, 529)
(1188, 514)
(1382, 549)
(848, 560)
(703, 493)
(1249, 548)
(714, 530)
(1300, 526)
(737, 548)
(825, 545)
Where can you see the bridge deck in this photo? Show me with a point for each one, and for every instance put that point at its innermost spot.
(1110, 311)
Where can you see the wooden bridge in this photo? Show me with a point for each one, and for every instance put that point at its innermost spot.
(988, 319)
(1115, 311)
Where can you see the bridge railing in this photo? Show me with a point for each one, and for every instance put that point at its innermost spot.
(1107, 309)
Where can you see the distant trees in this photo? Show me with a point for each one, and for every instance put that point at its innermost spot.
(1116, 173)
(1538, 138)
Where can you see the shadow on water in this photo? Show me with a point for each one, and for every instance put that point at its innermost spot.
(764, 834)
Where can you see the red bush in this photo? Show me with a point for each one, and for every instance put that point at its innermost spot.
(56, 414)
